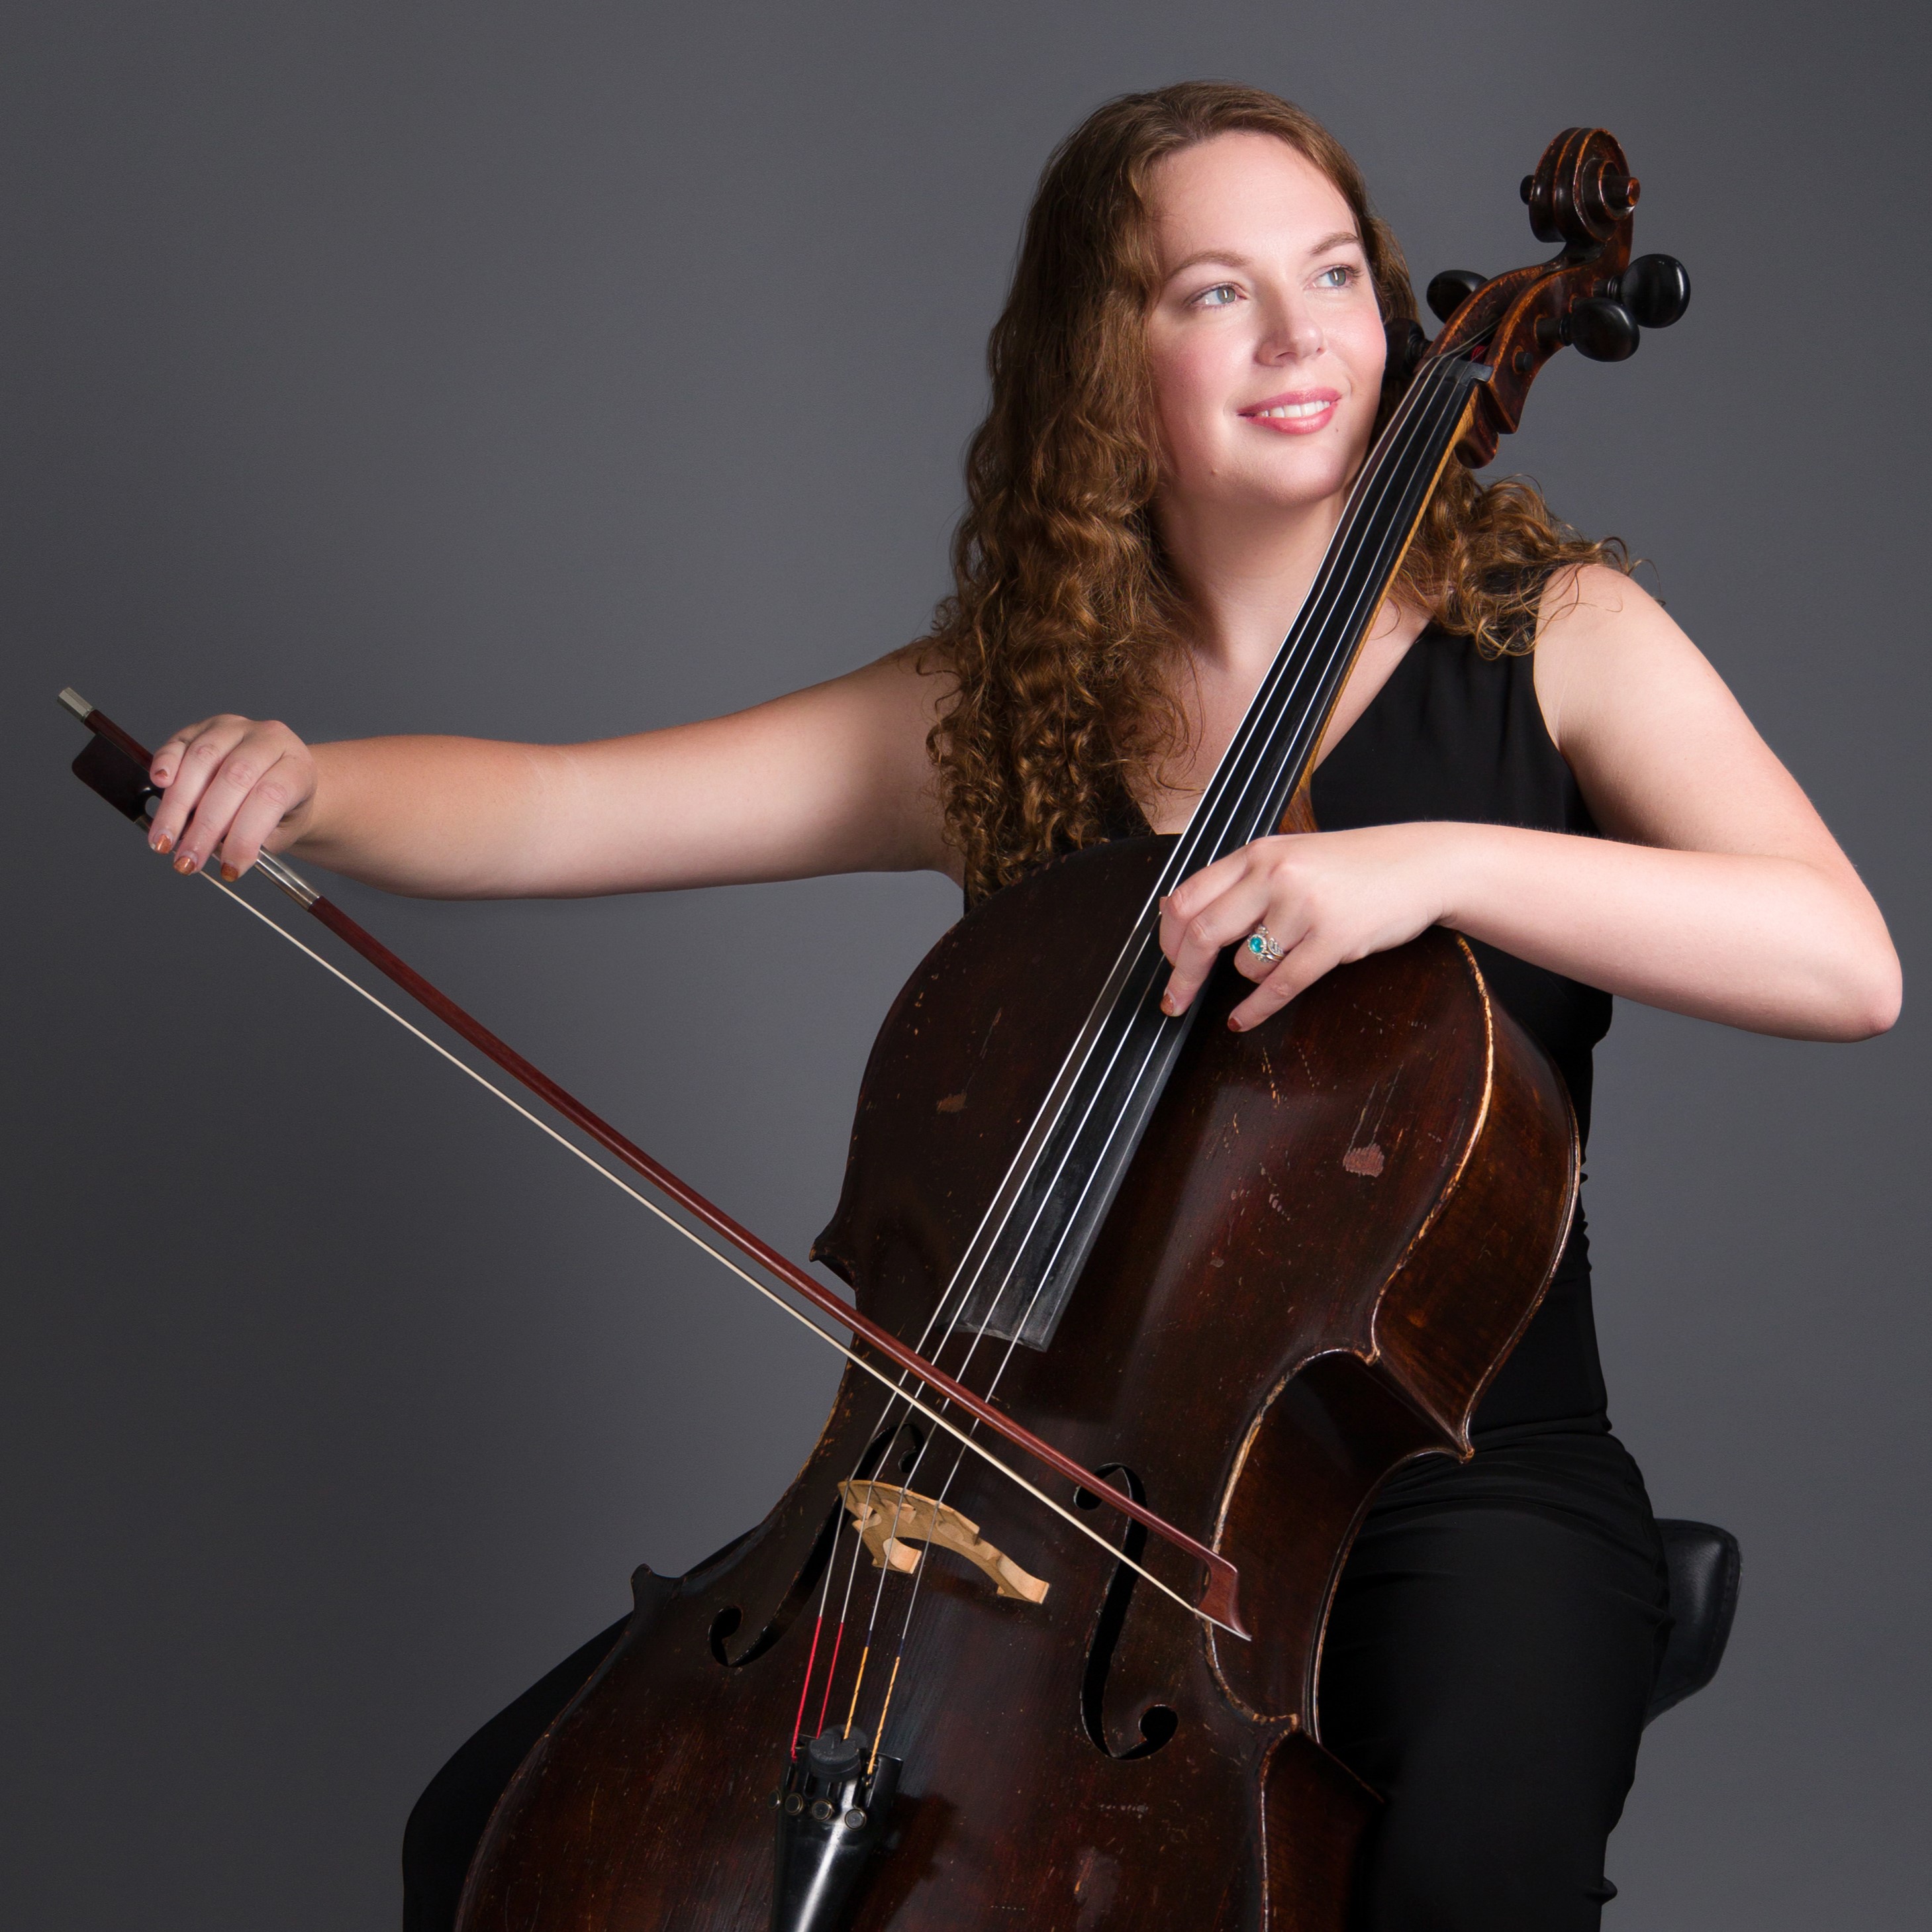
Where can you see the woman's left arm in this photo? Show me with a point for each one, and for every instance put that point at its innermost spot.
(1716, 890)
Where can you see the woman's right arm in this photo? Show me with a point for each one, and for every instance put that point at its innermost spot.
(831, 779)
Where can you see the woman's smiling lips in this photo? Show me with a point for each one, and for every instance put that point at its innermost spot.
(1297, 412)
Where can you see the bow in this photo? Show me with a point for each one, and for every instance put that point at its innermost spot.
(116, 766)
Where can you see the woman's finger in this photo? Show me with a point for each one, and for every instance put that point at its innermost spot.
(274, 794)
(223, 792)
(1283, 921)
(1198, 890)
(197, 755)
(1299, 970)
(1233, 915)
(162, 766)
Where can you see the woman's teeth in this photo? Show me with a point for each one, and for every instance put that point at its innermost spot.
(1295, 410)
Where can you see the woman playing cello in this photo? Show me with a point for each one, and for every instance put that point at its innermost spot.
(1186, 380)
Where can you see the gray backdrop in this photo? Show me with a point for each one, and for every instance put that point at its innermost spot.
(549, 371)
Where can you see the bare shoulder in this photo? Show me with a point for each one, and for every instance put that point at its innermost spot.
(894, 702)
(1661, 749)
(1602, 638)
(910, 687)
(868, 731)
(905, 694)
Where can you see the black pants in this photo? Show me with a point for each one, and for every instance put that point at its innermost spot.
(1491, 1652)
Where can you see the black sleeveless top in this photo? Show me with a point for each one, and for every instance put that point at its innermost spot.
(1453, 735)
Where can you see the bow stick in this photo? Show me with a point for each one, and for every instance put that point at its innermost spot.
(116, 766)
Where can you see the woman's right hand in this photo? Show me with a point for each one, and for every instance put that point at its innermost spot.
(234, 786)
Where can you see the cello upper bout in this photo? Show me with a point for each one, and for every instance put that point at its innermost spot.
(966, 1055)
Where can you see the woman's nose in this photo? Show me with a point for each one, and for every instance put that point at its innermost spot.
(1293, 333)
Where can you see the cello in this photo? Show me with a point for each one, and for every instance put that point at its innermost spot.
(1219, 1286)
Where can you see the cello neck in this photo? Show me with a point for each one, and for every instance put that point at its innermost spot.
(1017, 1274)
(1273, 751)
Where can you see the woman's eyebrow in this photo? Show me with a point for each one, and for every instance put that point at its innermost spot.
(1233, 259)
(1227, 257)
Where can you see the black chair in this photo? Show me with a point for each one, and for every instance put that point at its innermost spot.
(1705, 1564)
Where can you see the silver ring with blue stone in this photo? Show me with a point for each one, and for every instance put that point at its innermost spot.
(1263, 944)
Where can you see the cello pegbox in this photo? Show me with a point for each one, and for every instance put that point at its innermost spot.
(1591, 296)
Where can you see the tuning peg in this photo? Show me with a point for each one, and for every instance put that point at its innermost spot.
(1656, 289)
(1450, 290)
(1605, 331)
(1406, 342)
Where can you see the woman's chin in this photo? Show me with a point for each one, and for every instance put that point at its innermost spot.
(1237, 495)
(1313, 490)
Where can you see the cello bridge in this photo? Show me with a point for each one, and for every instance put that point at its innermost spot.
(890, 1520)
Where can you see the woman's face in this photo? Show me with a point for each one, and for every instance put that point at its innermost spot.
(1264, 338)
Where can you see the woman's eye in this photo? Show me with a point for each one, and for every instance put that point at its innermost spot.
(1219, 296)
(1339, 277)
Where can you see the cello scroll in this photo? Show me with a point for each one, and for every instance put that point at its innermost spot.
(1592, 296)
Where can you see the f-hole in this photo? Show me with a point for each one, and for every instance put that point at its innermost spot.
(907, 1441)
(1159, 1722)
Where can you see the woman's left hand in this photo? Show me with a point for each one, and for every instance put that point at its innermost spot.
(1325, 897)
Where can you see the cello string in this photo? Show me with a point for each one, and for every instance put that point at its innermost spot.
(1339, 594)
(1248, 816)
(1149, 965)
(1200, 837)
(831, 1677)
(1346, 593)
(1344, 588)
(837, 1638)
(1044, 1266)
(845, 1608)
(1453, 395)
(888, 1544)
(804, 1689)
(1339, 649)
(1343, 638)
(1421, 426)
(885, 1710)
(845, 1603)
(1133, 955)
(697, 1241)
(818, 1630)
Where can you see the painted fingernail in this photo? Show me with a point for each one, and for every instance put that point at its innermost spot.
(164, 845)
(184, 862)
(230, 873)
(1234, 1024)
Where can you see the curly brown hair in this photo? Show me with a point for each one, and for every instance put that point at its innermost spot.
(1065, 626)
